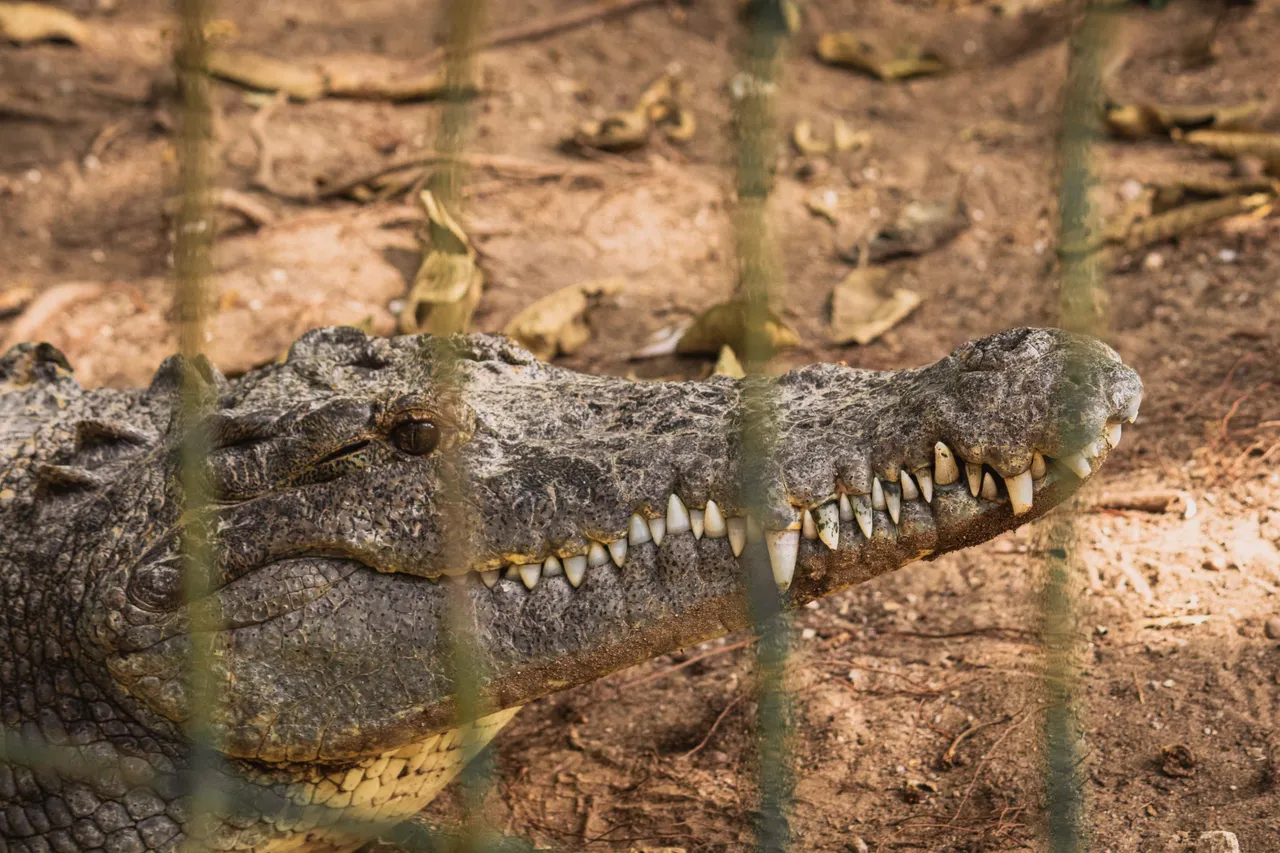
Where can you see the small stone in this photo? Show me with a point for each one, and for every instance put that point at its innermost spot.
(857, 845)
(1218, 841)
(1272, 628)
(1215, 563)
(1153, 261)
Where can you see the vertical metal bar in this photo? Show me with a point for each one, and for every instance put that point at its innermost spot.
(758, 274)
(1081, 301)
(193, 242)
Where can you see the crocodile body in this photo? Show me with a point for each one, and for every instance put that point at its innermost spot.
(370, 498)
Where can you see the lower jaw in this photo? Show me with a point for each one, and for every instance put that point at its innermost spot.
(690, 591)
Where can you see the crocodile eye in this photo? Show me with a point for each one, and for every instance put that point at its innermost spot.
(157, 587)
(416, 437)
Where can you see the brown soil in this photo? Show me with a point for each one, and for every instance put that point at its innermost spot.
(887, 675)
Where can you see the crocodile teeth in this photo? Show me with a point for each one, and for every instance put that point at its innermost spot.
(829, 523)
(597, 555)
(697, 522)
(677, 516)
(1078, 464)
(638, 530)
(658, 529)
(877, 495)
(714, 522)
(893, 502)
(862, 514)
(1112, 435)
(945, 471)
(491, 578)
(1021, 491)
(575, 569)
(909, 490)
(618, 550)
(974, 474)
(784, 548)
(808, 528)
(846, 509)
(529, 574)
(552, 567)
(737, 528)
(1038, 468)
(989, 490)
(925, 479)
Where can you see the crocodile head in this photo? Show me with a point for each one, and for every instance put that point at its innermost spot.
(369, 496)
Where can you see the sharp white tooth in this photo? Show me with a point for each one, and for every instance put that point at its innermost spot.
(1021, 491)
(1078, 464)
(862, 514)
(808, 527)
(658, 529)
(638, 531)
(456, 580)
(784, 548)
(909, 490)
(974, 474)
(618, 550)
(491, 578)
(597, 555)
(877, 495)
(989, 490)
(1038, 468)
(1112, 435)
(737, 528)
(552, 567)
(530, 573)
(828, 516)
(575, 569)
(846, 509)
(754, 531)
(1095, 448)
(945, 471)
(893, 501)
(677, 516)
(925, 478)
(714, 522)
(697, 522)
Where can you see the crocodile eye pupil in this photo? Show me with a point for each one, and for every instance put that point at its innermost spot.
(416, 437)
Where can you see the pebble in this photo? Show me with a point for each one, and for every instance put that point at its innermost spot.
(1218, 841)
(1272, 628)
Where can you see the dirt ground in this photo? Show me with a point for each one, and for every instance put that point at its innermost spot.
(887, 675)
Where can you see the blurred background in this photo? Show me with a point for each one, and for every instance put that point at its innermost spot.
(922, 152)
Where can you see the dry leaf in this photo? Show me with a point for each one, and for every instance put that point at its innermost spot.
(1169, 196)
(728, 365)
(725, 324)
(15, 299)
(364, 85)
(557, 323)
(28, 22)
(802, 139)
(865, 51)
(256, 71)
(863, 309)
(1135, 121)
(921, 227)
(447, 288)
(621, 131)
(848, 139)
(1167, 225)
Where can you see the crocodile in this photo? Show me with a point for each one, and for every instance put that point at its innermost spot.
(367, 499)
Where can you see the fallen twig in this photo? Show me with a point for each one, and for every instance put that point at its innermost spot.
(1153, 500)
(977, 774)
(574, 18)
(707, 738)
(690, 662)
(949, 757)
(1178, 621)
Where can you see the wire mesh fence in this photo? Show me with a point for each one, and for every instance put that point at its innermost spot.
(214, 786)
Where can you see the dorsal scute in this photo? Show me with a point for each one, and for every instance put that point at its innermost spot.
(340, 346)
(30, 363)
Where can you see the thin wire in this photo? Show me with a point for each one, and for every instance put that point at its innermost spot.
(759, 273)
(192, 248)
(1082, 304)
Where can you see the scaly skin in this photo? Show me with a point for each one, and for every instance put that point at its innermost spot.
(329, 656)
